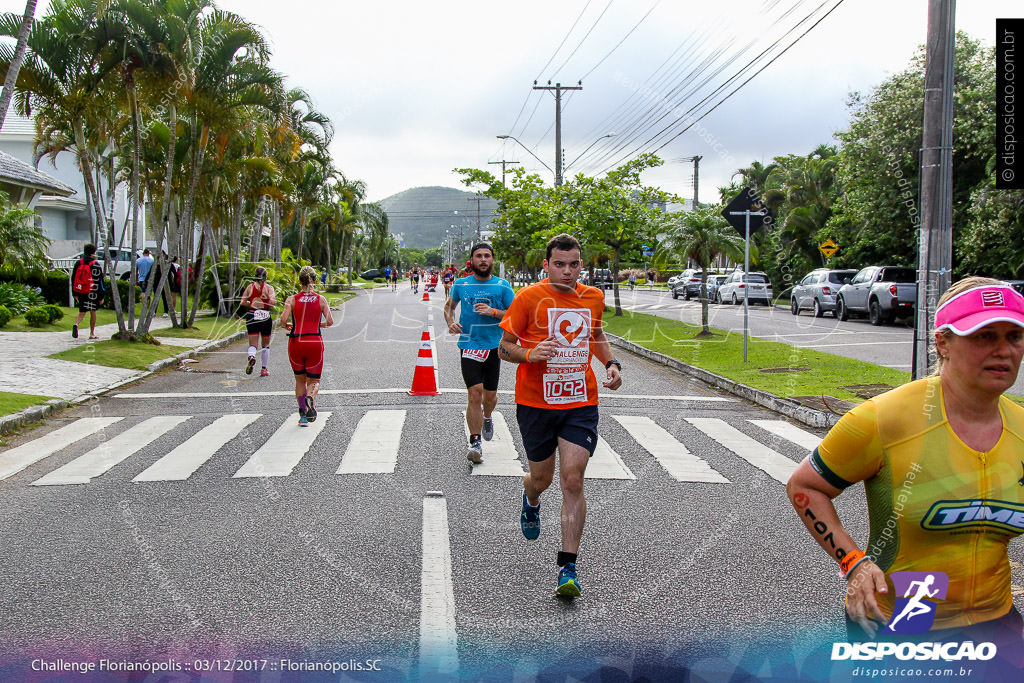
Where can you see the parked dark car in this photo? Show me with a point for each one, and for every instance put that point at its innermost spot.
(817, 291)
(601, 278)
(371, 274)
(689, 287)
(1016, 284)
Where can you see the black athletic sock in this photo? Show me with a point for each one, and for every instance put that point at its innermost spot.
(565, 558)
(474, 437)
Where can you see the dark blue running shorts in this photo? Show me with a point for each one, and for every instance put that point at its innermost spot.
(542, 427)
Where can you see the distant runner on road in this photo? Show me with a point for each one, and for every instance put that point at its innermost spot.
(553, 330)
(484, 298)
(259, 297)
(302, 316)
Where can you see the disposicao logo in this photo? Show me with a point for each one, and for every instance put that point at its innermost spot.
(915, 612)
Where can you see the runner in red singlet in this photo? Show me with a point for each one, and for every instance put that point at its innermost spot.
(302, 317)
(259, 297)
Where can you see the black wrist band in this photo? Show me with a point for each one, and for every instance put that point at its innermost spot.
(613, 362)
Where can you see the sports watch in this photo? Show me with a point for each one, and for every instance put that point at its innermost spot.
(613, 362)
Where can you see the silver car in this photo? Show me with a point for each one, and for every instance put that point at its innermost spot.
(817, 291)
(737, 286)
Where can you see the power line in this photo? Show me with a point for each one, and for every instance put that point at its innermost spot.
(753, 62)
(583, 40)
(635, 26)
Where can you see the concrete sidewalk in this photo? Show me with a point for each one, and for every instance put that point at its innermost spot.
(25, 369)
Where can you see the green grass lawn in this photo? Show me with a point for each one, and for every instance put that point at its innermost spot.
(103, 317)
(119, 354)
(205, 327)
(722, 354)
(12, 403)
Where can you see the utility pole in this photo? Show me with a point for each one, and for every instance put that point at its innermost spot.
(477, 200)
(558, 88)
(696, 177)
(503, 162)
(935, 242)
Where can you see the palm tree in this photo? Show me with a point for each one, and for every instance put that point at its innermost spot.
(700, 236)
(16, 59)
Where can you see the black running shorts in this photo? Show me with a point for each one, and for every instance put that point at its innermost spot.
(481, 371)
(542, 427)
(263, 327)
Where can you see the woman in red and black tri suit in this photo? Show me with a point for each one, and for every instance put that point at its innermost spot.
(302, 315)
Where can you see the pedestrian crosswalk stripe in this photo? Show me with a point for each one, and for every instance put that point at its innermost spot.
(111, 452)
(775, 465)
(790, 432)
(284, 449)
(500, 456)
(373, 448)
(17, 459)
(182, 462)
(668, 451)
(606, 464)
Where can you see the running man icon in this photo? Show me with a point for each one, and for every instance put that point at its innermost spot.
(916, 607)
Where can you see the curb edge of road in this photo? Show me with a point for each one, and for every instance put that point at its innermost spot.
(9, 423)
(784, 406)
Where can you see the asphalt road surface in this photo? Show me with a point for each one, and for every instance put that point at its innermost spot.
(188, 518)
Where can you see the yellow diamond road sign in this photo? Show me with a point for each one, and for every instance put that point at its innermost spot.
(828, 248)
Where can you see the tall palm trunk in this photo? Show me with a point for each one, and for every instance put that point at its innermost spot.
(19, 57)
(275, 230)
(302, 232)
(133, 103)
(254, 250)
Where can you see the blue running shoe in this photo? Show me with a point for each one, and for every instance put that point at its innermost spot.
(568, 584)
(303, 422)
(530, 520)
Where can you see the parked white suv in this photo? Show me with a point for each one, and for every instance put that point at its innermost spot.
(737, 286)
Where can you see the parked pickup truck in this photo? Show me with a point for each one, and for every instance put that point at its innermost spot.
(880, 292)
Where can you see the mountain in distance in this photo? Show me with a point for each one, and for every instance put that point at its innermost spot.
(424, 216)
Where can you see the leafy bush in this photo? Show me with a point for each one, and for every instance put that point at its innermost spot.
(5, 315)
(55, 287)
(379, 280)
(19, 298)
(37, 317)
(54, 312)
(122, 290)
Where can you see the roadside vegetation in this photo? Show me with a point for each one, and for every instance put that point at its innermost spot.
(117, 353)
(780, 369)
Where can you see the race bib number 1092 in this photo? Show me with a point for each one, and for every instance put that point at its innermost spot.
(565, 387)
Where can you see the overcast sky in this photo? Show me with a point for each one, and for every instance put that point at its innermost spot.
(416, 89)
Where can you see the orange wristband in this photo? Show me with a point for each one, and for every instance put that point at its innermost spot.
(850, 561)
(528, 354)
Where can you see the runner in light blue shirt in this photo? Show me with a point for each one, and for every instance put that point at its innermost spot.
(484, 298)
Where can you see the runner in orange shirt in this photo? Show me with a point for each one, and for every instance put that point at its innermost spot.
(553, 329)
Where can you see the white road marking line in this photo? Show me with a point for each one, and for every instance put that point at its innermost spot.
(774, 464)
(112, 452)
(790, 432)
(438, 639)
(284, 449)
(17, 459)
(405, 390)
(501, 459)
(606, 464)
(835, 344)
(373, 448)
(669, 451)
(182, 462)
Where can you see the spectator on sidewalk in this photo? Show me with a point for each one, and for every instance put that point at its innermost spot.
(88, 289)
(143, 267)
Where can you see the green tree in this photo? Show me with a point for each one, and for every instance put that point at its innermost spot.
(24, 245)
(701, 236)
(877, 212)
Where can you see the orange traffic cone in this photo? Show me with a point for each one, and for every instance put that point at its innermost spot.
(424, 380)
(426, 297)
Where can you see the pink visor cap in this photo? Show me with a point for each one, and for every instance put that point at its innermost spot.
(969, 311)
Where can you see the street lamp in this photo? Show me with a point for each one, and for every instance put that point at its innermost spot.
(606, 135)
(509, 137)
